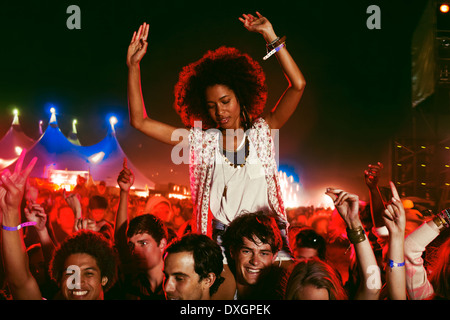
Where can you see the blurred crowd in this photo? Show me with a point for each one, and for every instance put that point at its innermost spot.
(324, 243)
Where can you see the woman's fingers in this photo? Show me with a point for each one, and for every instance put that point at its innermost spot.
(247, 20)
(19, 163)
(144, 46)
(388, 213)
(30, 167)
(330, 192)
(7, 183)
(333, 193)
(392, 211)
(19, 175)
(41, 214)
(146, 32)
(394, 190)
(141, 33)
(341, 198)
(397, 206)
(138, 35)
(337, 195)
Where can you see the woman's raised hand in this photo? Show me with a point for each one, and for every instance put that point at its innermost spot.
(12, 186)
(258, 24)
(138, 45)
(372, 175)
(394, 215)
(347, 205)
(36, 213)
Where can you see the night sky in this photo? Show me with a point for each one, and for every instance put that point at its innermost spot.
(358, 93)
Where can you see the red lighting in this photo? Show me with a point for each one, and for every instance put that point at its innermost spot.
(444, 8)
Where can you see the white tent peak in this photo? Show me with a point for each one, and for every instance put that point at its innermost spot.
(16, 119)
(74, 126)
(112, 122)
(13, 142)
(73, 136)
(54, 150)
(53, 117)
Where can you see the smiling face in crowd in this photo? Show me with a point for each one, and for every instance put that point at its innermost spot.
(91, 281)
(253, 259)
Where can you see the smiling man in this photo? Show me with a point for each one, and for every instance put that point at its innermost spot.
(251, 244)
(84, 266)
(192, 268)
(86, 257)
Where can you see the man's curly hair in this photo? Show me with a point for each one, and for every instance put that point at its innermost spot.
(225, 66)
(91, 243)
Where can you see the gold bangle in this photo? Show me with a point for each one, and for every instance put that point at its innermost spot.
(356, 235)
(437, 220)
(444, 222)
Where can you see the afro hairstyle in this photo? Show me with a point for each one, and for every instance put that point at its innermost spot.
(91, 243)
(223, 66)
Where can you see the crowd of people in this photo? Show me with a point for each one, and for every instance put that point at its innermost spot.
(234, 240)
(147, 255)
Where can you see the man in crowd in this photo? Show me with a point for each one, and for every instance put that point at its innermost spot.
(140, 243)
(251, 243)
(192, 268)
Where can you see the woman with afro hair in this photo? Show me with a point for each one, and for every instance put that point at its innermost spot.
(220, 99)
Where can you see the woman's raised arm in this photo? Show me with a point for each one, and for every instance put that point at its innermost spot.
(136, 107)
(289, 100)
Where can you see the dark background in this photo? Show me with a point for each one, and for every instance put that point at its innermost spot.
(358, 94)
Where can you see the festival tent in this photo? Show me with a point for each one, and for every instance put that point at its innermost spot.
(73, 136)
(13, 142)
(103, 161)
(106, 161)
(55, 152)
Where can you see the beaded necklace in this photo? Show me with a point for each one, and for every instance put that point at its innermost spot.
(234, 162)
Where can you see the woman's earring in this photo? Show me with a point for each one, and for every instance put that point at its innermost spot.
(245, 118)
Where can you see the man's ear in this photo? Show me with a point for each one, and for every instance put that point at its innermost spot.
(162, 244)
(104, 281)
(209, 280)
